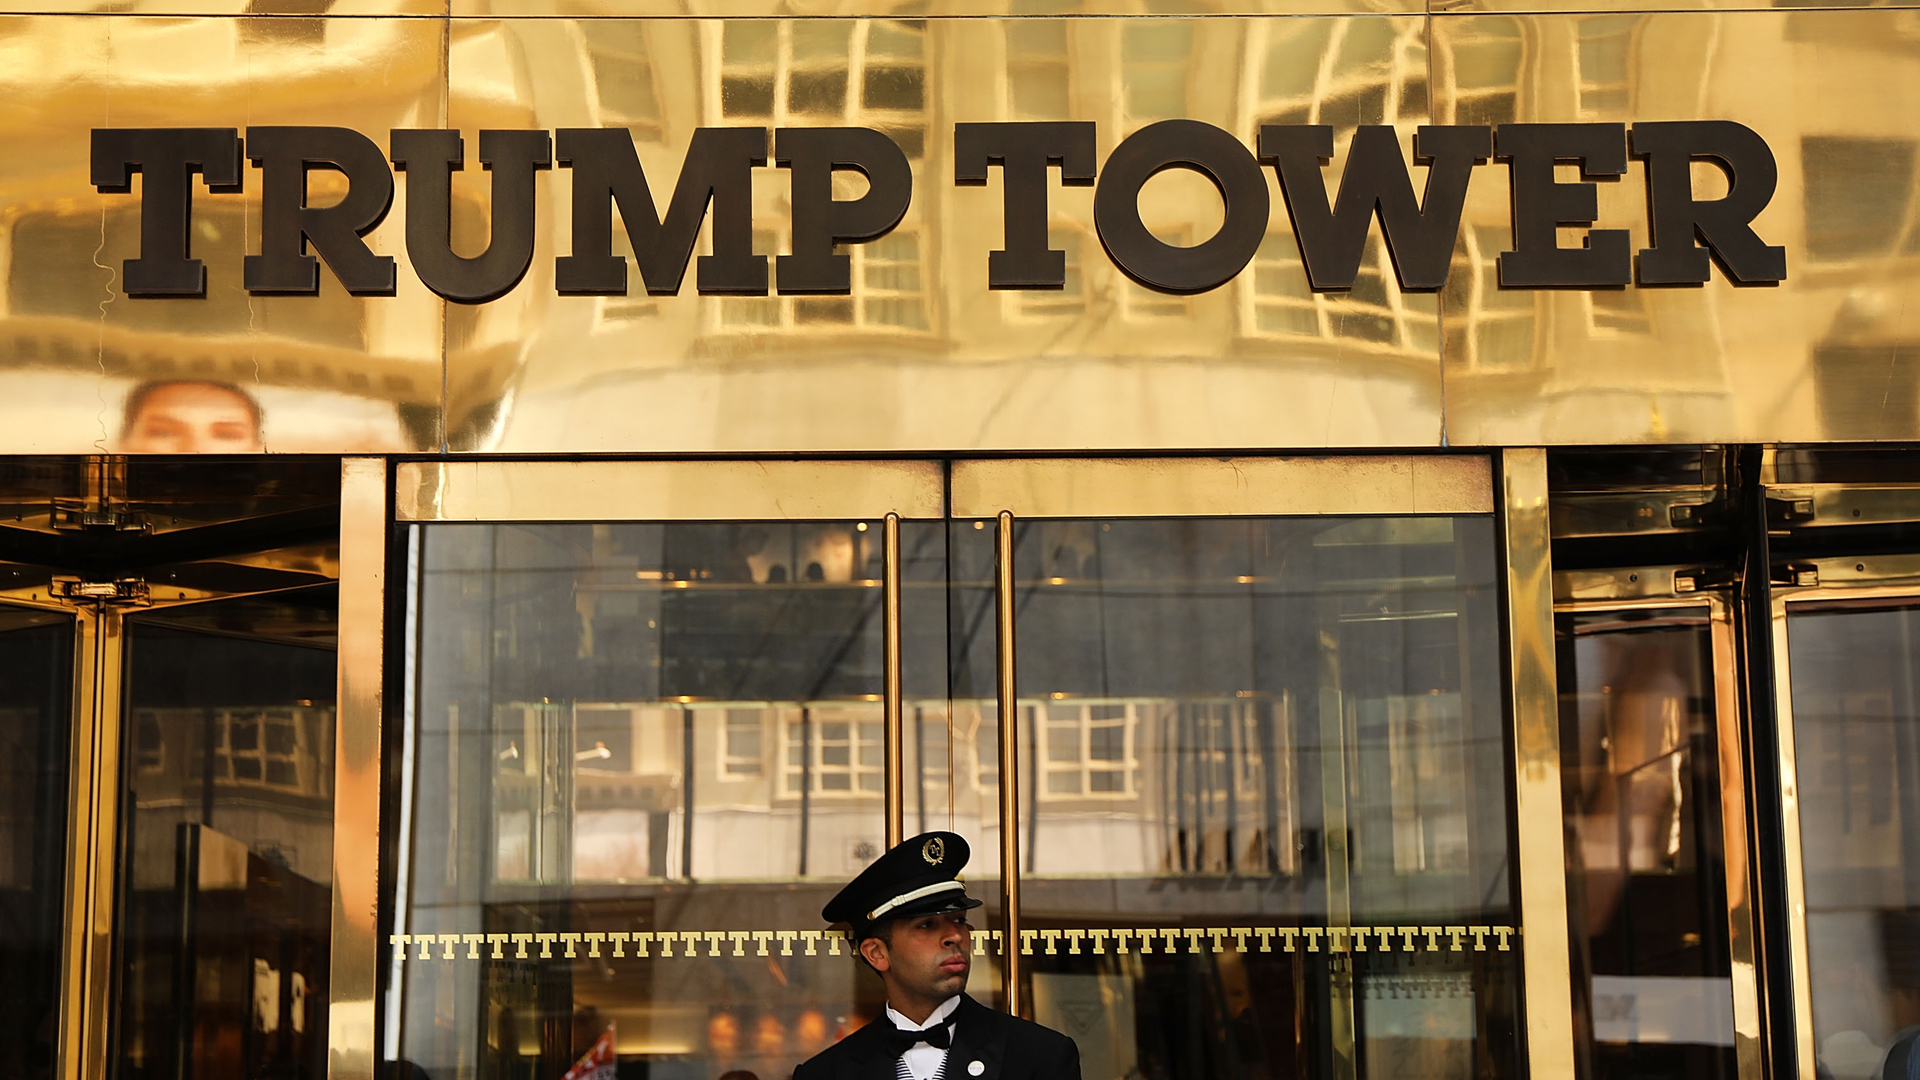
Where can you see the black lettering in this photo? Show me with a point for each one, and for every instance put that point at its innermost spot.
(606, 172)
(1541, 205)
(166, 159)
(1676, 218)
(1420, 235)
(285, 156)
(1023, 152)
(429, 157)
(819, 220)
(1214, 154)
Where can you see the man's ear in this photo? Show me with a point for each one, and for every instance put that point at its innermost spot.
(874, 951)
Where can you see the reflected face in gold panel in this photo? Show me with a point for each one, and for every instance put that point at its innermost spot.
(191, 418)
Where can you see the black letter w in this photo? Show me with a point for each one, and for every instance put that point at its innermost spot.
(1419, 237)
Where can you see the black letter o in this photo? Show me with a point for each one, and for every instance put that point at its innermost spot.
(1209, 151)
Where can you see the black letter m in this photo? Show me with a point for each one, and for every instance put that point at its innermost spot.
(719, 168)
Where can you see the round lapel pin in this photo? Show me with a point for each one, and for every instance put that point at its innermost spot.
(975, 1068)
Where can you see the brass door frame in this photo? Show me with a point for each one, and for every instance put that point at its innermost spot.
(1512, 487)
(90, 889)
(1540, 856)
(93, 810)
(1891, 581)
(354, 978)
(1649, 589)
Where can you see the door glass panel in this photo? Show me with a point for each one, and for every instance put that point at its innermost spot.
(1266, 792)
(951, 716)
(36, 683)
(1856, 737)
(1646, 871)
(639, 758)
(225, 909)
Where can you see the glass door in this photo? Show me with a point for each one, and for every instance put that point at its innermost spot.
(225, 893)
(1263, 786)
(1653, 776)
(166, 704)
(1847, 643)
(36, 687)
(647, 727)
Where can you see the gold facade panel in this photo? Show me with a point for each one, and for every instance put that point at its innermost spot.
(1623, 7)
(923, 355)
(667, 490)
(1538, 812)
(1223, 487)
(294, 11)
(353, 982)
(91, 369)
(1826, 355)
(917, 9)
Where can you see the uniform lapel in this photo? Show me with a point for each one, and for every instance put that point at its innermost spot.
(869, 1049)
(975, 1038)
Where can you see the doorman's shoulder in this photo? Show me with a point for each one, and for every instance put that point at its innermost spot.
(852, 1058)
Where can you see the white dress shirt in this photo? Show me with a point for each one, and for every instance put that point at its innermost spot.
(923, 1060)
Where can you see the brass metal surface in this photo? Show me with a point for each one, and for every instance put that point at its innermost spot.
(1007, 686)
(923, 355)
(1546, 957)
(1823, 356)
(1623, 587)
(1212, 487)
(667, 490)
(1743, 953)
(327, 373)
(896, 741)
(928, 9)
(86, 973)
(1794, 868)
(271, 9)
(354, 977)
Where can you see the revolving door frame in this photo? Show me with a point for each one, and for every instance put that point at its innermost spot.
(1649, 590)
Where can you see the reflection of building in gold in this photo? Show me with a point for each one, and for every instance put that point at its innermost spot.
(922, 354)
(1822, 356)
(330, 371)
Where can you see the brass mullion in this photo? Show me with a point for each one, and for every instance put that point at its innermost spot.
(1545, 943)
(896, 749)
(92, 839)
(1748, 1049)
(1790, 844)
(1009, 768)
(353, 979)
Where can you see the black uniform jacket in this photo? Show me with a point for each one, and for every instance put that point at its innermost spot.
(1007, 1047)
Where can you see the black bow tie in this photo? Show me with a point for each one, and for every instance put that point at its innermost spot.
(936, 1036)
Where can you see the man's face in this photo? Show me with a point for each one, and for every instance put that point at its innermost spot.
(926, 961)
(192, 418)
